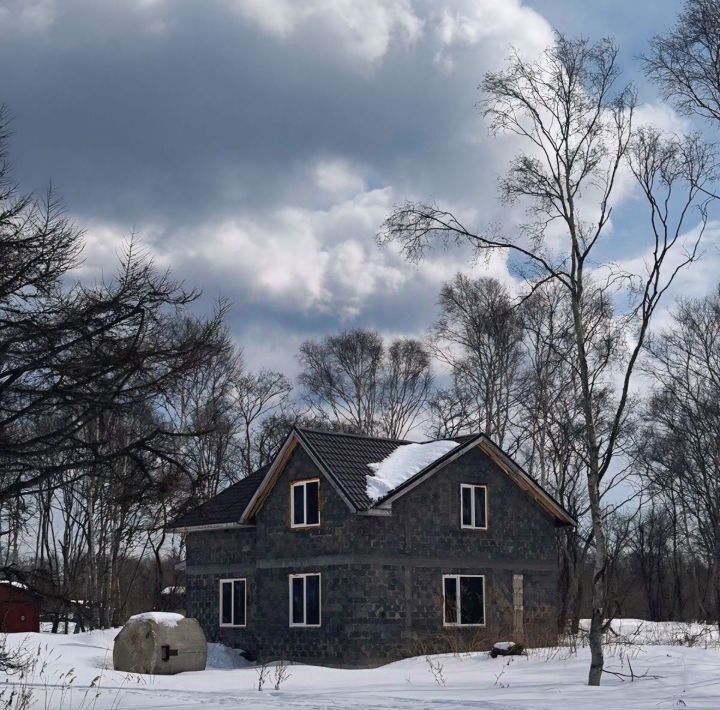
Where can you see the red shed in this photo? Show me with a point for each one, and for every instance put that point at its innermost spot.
(19, 608)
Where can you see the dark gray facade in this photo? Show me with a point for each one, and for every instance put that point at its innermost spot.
(381, 575)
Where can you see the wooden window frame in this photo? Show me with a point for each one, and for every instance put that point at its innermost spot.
(232, 581)
(458, 607)
(472, 487)
(304, 576)
(293, 486)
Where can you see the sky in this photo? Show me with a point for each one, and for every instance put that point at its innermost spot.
(255, 146)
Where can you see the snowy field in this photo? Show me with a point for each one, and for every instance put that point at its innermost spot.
(681, 665)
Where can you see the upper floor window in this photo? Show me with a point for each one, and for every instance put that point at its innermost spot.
(305, 503)
(473, 506)
(463, 600)
(233, 602)
(305, 599)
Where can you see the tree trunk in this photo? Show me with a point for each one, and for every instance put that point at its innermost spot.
(599, 591)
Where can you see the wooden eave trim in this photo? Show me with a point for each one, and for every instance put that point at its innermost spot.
(524, 482)
(267, 484)
(208, 526)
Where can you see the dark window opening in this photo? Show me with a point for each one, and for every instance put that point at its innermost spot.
(305, 503)
(473, 506)
(464, 600)
(305, 600)
(233, 600)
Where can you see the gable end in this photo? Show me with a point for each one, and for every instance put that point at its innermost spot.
(294, 440)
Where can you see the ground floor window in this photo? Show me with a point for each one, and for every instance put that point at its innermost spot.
(233, 602)
(305, 599)
(463, 600)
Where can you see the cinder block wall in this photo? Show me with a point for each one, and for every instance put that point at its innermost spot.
(381, 582)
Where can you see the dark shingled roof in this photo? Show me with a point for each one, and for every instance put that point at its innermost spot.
(227, 506)
(346, 457)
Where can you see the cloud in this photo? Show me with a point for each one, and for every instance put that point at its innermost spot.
(364, 30)
(338, 178)
(257, 145)
(662, 116)
(27, 16)
(470, 23)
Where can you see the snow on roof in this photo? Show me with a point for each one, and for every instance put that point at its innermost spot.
(164, 618)
(403, 463)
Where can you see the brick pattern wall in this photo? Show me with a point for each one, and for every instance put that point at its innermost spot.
(381, 576)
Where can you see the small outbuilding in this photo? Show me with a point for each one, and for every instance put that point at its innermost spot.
(160, 643)
(19, 608)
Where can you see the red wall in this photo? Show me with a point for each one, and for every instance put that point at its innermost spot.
(19, 610)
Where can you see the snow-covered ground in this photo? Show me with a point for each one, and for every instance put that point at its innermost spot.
(676, 676)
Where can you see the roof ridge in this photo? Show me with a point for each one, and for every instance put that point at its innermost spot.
(355, 436)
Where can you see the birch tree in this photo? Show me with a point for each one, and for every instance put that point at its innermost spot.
(575, 123)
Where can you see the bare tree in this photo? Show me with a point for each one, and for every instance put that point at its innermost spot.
(478, 337)
(684, 62)
(680, 445)
(256, 396)
(88, 372)
(579, 134)
(551, 416)
(648, 543)
(341, 377)
(405, 386)
(352, 379)
(74, 356)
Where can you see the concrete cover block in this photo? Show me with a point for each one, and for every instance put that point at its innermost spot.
(160, 644)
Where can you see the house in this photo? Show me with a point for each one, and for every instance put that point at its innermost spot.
(350, 550)
(19, 608)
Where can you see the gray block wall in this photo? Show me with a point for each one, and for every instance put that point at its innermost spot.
(381, 576)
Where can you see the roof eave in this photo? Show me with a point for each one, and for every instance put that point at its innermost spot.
(207, 526)
(257, 497)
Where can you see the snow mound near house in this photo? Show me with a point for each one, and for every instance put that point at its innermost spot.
(221, 657)
(164, 618)
(403, 463)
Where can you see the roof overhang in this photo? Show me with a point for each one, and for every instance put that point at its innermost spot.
(208, 526)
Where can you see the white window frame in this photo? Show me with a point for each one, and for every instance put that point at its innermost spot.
(232, 581)
(472, 487)
(304, 576)
(293, 486)
(457, 599)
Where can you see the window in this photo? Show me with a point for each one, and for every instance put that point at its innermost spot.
(304, 600)
(233, 602)
(305, 503)
(473, 506)
(463, 600)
